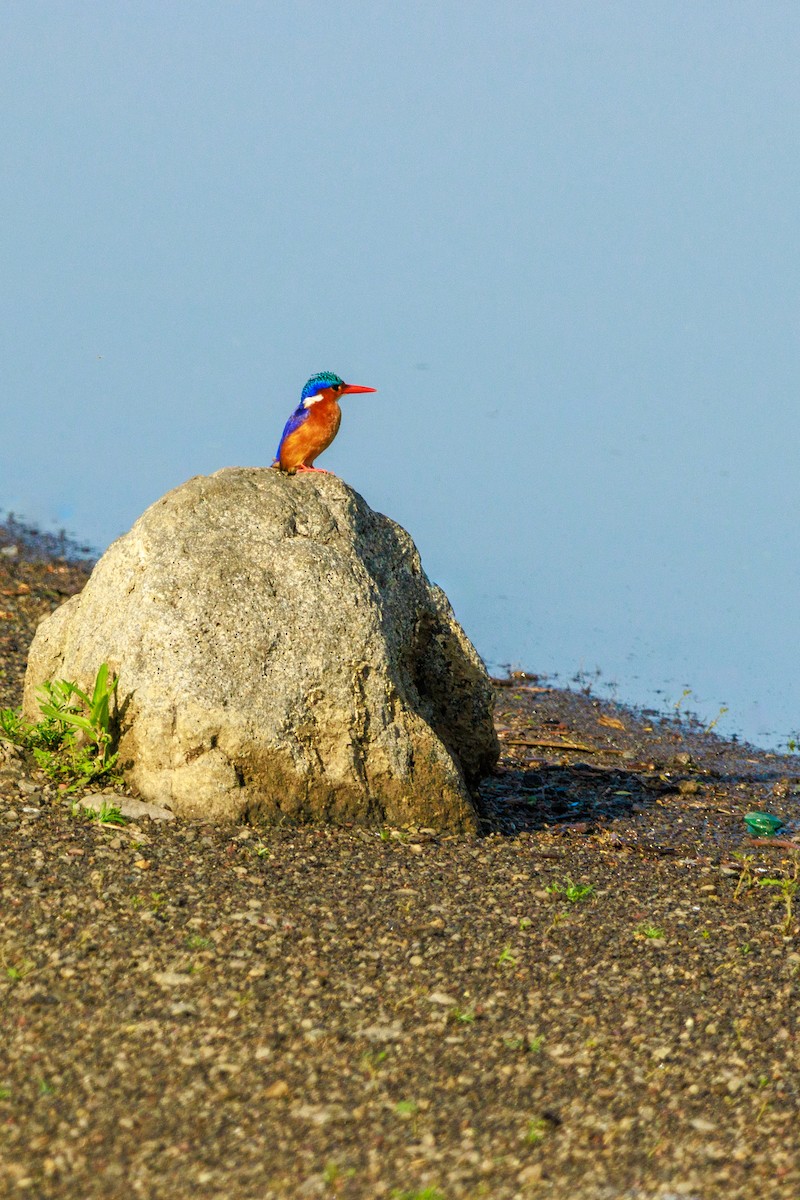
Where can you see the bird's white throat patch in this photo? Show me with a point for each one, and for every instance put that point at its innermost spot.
(312, 400)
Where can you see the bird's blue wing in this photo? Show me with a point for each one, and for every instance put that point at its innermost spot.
(297, 418)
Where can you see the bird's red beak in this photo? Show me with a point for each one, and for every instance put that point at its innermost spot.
(354, 387)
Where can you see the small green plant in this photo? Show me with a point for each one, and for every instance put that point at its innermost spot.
(650, 931)
(462, 1016)
(196, 942)
(333, 1175)
(528, 1045)
(573, 892)
(525, 923)
(388, 834)
(261, 851)
(12, 725)
(372, 1059)
(746, 877)
(536, 1131)
(717, 718)
(72, 741)
(745, 948)
(406, 1108)
(788, 889)
(5, 1093)
(15, 974)
(506, 958)
(107, 814)
(558, 917)
(427, 1193)
(17, 968)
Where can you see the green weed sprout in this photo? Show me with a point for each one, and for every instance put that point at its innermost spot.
(506, 958)
(573, 892)
(107, 814)
(426, 1193)
(536, 1131)
(72, 741)
(788, 889)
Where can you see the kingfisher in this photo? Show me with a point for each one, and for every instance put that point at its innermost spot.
(314, 423)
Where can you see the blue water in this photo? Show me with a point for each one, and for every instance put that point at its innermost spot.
(561, 241)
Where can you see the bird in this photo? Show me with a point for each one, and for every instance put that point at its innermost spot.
(314, 423)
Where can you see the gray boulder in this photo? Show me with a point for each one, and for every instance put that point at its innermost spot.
(281, 655)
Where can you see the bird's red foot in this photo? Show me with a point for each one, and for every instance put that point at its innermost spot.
(316, 470)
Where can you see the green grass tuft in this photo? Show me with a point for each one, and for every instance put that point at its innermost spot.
(72, 741)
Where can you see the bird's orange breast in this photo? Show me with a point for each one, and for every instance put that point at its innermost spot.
(313, 436)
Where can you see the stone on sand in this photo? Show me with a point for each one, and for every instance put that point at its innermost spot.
(281, 656)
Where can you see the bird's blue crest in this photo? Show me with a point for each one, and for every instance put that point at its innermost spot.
(316, 383)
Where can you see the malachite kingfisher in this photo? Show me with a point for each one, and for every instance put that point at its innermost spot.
(314, 423)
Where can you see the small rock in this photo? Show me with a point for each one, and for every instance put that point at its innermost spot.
(735, 1083)
(183, 1009)
(319, 1114)
(129, 806)
(277, 1090)
(442, 998)
(172, 978)
(389, 1032)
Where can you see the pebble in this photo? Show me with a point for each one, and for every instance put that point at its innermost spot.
(277, 1090)
(129, 806)
(172, 978)
(183, 1009)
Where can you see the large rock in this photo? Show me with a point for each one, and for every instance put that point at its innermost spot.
(281, 655)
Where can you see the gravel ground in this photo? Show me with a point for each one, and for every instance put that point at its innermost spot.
(596, 998)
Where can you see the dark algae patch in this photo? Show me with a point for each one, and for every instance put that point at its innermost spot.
(594, 998)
